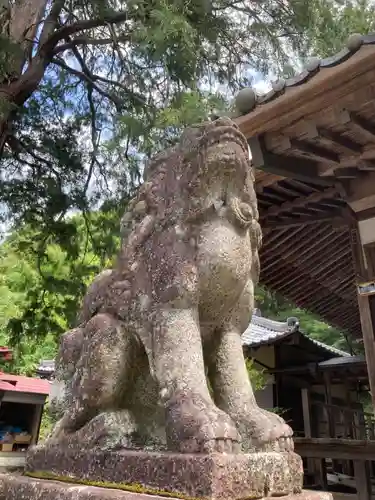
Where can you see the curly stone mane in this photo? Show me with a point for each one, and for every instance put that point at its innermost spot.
(154, 205)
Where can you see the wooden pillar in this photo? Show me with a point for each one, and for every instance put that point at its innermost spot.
(366, 305)
(305, 396)
(328, 398)
(321, 473)
(35, 426)
(362, 479)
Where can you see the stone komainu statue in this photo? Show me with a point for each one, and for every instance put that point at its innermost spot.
(171, 313)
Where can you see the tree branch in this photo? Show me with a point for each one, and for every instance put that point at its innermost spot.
(90, 78)
(71, 29)
(83, 40)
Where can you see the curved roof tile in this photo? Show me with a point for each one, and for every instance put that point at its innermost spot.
(262, 331)
(247, 100)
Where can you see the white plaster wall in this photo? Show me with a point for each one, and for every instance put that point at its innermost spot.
(367, 230)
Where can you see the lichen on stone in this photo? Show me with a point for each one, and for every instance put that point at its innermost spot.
(134, 487)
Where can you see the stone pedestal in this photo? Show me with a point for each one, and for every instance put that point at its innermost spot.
(212, 476)
(17, 487)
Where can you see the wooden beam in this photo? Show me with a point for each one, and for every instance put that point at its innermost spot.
(363, 125)
(285, 166)
(366, 165)
(344, 143)
(315, 152)
(341, 449)
(346, 173)
(361, 187)
(366, 214)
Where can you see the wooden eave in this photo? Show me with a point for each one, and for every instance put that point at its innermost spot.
(336, 79)
(306, 256)
(311, 139)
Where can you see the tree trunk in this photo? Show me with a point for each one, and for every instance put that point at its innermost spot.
(19, 23)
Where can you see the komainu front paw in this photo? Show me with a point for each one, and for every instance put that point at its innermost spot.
(264, 431)
(280, 429)
(195, 425)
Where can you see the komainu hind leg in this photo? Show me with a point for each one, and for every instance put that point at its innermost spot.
(102, 378)
(66, 362)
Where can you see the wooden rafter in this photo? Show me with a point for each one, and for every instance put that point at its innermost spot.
(335, 257)
(308, 244)
(264, 179)
(331, 286)
(287, 190)
(314, 151)
(363, 125)
(304, 186)
(299, 168)
(289, 223)
(332, 307)
(295, 284)
(345, 143)
(277, 242)
(316, 304)
(302, 201)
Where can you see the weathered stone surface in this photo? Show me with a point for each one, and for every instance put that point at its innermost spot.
(25, 488)
(133, 372)
(197, 475)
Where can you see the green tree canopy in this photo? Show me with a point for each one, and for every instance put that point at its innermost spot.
(90, 89)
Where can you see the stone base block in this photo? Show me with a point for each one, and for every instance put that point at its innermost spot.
(17, 487)
(214, 476)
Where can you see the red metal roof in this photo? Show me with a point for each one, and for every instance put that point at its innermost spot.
(19, 383)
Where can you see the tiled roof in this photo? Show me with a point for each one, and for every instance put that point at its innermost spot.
(347, 360)
(46, 366)
(262, 331)
(247, 100)
(18, 383)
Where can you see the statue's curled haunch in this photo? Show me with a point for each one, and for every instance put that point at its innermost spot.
(171, 313)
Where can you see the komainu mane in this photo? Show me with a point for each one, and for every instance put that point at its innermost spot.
(171, 313)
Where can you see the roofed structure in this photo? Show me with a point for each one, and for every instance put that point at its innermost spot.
(313, 146)
(264, 331)
(27, 385)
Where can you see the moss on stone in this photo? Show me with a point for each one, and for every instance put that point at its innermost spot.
(132, 487)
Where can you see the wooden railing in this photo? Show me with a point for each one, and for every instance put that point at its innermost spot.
(342, 422)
